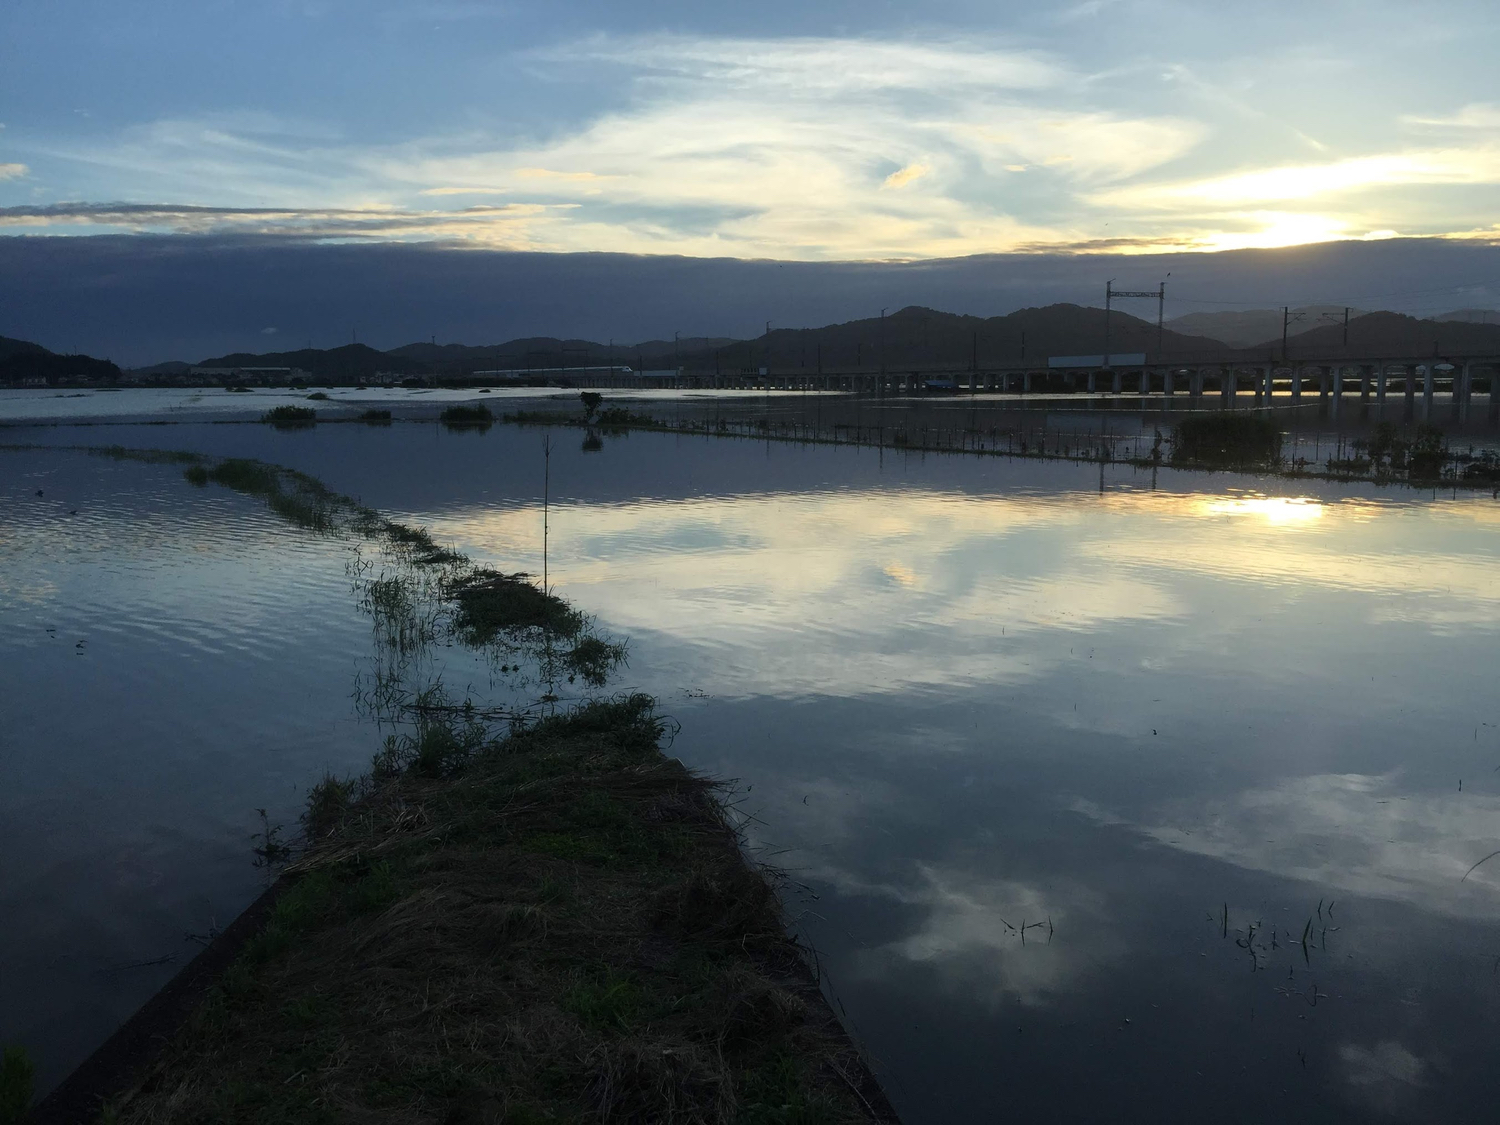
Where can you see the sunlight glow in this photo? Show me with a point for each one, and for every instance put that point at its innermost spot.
(1279, 511)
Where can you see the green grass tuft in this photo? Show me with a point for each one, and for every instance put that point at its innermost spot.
(17, 1085)
(290, 417)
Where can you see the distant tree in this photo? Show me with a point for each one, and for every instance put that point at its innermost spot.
(591, 400)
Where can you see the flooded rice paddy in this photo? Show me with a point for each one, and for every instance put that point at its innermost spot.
(1106, 794)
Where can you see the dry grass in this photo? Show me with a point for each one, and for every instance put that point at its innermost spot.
(564, 930)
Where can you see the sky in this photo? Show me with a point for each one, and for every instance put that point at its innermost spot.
(1062, 144)
(788, 130)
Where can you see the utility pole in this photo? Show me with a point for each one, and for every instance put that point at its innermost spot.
(1159, 293)
(1286, 322)
(1161, 309)
(1108, 299)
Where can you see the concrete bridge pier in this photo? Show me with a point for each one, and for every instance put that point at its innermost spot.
(1410, 387)
(1364, 384)
(1229, 381)
(1380, 380)
(1338, 387)
(1168, 383)
(1296, 385)
(1195, 383)
(1427, 387)
(1323, 388)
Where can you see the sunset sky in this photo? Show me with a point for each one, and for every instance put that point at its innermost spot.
(789, 130)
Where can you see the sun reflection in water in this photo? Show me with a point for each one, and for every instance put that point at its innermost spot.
(1278, 511)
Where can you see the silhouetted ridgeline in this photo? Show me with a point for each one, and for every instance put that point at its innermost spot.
(912, 338)
(23, 363)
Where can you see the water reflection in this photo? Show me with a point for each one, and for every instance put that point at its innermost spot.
(1174, 719)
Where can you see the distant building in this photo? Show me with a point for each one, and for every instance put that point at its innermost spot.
(262, 376)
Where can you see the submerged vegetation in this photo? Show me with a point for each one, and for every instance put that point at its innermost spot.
(294, 496)
(376, 417)
(467, 417)
(290, 417)
(1230, 441)
(553, 925)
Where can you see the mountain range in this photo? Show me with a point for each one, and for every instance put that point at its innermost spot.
(21, 361)
(909, 338)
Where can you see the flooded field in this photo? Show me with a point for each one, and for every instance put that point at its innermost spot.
(1099, 786)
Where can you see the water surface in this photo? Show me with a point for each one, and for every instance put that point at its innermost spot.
(1112, 794)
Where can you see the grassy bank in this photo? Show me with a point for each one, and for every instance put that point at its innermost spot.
(557, 926)
(515, 916)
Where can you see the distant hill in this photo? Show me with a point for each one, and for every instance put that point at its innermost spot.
(171, 367)
(548, 352)
(1252, 327)
(1471, 316)
(22, 361)
(1395, 335)
(920, 337)
(913, 337)
(347, 363)
(9, 347)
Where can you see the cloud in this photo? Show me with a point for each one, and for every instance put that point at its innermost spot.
(781, 147)
(13, 171)
(715, 147)
(818, 66)
(1308, 181)
(503, 226)
(551, 174)
(268, 331)
(904, 176)
(1476, 115)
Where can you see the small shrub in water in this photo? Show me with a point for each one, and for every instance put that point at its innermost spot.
(290, 417)
(491, 603)
(376, 417)
(467, 416)
(1226, 440)
(1428, 452)
(318, 396)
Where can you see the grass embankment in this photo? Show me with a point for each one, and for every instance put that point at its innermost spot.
(555, 926)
